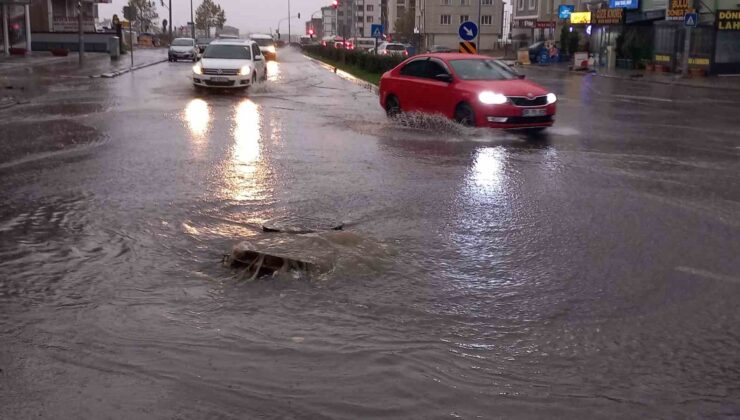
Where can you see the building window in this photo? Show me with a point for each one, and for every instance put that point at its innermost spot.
(445, 19)
(487, 2)
(486, 20)
(531, 5)
(445, 2)
(359, 19)
(464, 18)
(370, 8)
(520, 5)
(369, 19)
(464, 2)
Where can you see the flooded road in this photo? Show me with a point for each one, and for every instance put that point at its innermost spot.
(592, 273)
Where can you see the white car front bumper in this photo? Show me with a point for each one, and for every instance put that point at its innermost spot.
(221, 82)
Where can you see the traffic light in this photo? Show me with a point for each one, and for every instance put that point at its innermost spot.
(310, 32)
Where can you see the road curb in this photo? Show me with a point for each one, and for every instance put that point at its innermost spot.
(7, 102)
(114, 74)
(367, 85)
(674, 82)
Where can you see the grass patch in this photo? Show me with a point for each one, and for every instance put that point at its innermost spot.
(359, 73)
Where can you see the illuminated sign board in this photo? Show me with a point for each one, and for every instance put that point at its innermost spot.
(677, 9)
(728, 20)
(580, 18)
(564, 11)
(605, 17)
(624, 4)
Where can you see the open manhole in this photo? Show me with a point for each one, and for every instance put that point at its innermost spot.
(298, 225)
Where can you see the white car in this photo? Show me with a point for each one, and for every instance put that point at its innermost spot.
(231, 64)
(267, 45)
(183, 49)
(391, 48)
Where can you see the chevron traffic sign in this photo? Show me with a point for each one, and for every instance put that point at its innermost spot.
(468, 47)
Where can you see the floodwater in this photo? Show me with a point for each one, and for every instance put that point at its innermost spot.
(590, 273)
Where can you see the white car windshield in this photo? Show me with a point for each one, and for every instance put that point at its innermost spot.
(395, 47)
(476, 69)
(264, 42)
(236, 52)
(182, 43)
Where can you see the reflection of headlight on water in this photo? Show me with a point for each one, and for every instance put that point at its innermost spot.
(246, 133)
(197, 116)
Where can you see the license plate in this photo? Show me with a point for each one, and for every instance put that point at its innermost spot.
(219, 79)
(534, 113)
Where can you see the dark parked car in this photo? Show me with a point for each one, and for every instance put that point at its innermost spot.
(440, 49)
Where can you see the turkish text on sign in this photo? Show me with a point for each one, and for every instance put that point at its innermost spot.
(608, 17)
(728, 20)
(677, 9)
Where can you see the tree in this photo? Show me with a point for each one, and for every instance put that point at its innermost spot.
(146, 14)
(404, 26)
(209, 15)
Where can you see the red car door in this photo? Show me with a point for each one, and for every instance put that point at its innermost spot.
(436, 96)
(411, 81)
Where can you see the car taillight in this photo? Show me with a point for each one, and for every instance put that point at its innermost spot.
(405, 53)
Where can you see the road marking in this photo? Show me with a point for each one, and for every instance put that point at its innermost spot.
(644, 98)
(707, 274)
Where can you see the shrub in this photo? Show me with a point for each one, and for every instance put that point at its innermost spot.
(366, 61)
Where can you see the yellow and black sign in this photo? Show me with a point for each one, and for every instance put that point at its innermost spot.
(580, 18)
(605, 17)
(468, 47)
(728, 20)
(677, 9)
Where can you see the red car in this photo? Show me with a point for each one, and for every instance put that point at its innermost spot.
(474, 90)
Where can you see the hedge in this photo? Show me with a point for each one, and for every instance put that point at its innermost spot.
(369, 62)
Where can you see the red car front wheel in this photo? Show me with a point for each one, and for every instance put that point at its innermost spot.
(392, 106)
(465, 115)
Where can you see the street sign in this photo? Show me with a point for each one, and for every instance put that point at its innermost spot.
(691, 20)
(468, 31)
(376, 30)
(468, 47)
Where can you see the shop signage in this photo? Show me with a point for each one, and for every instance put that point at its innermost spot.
(524, 23)
(606, 17)
(662, 58)
(69, 24)
(728, 20)
(699, 61)
(543, 24)
(677, 9)
(564, 11)
(624, 4)
(580, 18)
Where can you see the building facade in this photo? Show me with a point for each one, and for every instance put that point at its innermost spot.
(355, 17)
(438, 21)
(329, 21)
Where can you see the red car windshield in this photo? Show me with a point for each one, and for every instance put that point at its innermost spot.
(478, 69)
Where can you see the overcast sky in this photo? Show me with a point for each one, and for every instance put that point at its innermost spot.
(247, 15)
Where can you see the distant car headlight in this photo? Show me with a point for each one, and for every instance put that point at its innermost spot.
(492, 98)
(198, 69)
(551, 98)
(245, 71)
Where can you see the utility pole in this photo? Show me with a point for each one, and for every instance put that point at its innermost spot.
(289, 22)
(480, 27)
(686, 52)
(170, 22)
(192, 22)
(80, 34)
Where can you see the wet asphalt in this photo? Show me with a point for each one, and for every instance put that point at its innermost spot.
(589, 273)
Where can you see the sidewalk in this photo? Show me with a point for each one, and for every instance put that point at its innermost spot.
(711, 82)
(43, 64)
(22, 78)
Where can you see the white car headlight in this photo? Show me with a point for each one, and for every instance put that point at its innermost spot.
(198, 69)
(245, 71)
(492, 98)
(551, 98)
(271, 49)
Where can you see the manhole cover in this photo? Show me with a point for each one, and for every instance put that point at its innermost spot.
(292, 224)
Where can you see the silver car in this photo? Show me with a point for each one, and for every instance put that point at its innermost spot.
(183, 49)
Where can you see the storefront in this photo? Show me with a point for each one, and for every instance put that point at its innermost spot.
(727, 50)
(16, 26)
